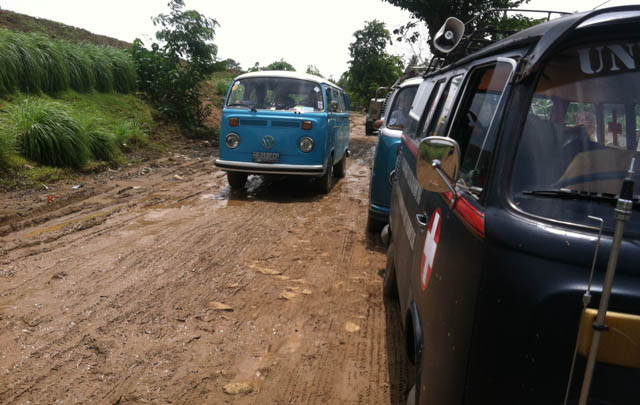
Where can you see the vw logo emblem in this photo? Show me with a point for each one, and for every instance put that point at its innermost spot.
(268, 141)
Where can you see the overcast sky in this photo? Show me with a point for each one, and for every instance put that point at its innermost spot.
(302, 32)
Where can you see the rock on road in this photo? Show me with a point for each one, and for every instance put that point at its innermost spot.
(158, 285)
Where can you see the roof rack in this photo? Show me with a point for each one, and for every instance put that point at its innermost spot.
(479, 38)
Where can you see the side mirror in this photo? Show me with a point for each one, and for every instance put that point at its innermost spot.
(438, 164)
(378, 123)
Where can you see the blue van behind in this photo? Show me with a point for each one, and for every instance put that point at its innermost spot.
(284, 123)
(394, 120)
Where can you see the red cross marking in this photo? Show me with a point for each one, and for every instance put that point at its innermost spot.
(614, 127)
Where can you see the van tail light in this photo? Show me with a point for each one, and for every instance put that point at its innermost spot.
(234, 122)
(307, 125)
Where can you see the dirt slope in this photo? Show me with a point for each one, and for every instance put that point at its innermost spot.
(117, 292)
(25, 23)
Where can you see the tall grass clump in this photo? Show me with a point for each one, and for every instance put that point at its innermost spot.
(102, 67)
(124, 70)
(10, 64)
(55, 66)
(34, 63)
(7, 147)
(82, 77)
(102, 143)
(32, 67)
(46, 133)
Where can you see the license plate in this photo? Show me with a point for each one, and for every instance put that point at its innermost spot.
(266, 157)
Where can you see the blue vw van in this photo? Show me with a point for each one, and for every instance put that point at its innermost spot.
(284, 123)
(515, 223)
(394, 120)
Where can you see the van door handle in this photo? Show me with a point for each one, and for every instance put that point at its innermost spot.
(422, 219)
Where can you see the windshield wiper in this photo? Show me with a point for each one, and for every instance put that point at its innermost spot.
(567, 194)
(252, 108)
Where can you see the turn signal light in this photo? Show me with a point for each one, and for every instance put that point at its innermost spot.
(307, 125)
(234, 122)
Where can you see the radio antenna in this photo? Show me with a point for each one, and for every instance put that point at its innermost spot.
(596, 7)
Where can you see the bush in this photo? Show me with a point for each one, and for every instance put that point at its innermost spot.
(45, 133)
(222, 86)
(171, 75)
(129, 135)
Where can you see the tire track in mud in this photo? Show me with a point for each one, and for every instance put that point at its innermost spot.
(126, 316)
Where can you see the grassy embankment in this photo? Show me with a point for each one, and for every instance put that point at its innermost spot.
(65, 107)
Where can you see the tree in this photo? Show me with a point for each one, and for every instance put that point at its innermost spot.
(477, 12)
(371, 66)
(231, 65)
(256, 67)
(313, 70)
(280, 65)
(171, 73)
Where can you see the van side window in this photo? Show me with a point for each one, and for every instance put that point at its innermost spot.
(334, 104)
(424, 108)
(342, 107)
(438, 126)
(399, 112)
(474, 119)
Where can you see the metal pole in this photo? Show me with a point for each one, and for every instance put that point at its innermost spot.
(622, 214)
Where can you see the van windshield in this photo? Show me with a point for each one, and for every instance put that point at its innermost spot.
(580, 135)
(276, 93)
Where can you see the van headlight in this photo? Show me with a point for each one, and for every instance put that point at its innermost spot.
(306, 144)
(232, 140)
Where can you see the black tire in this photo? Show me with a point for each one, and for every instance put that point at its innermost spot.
(340, 168)
(368, 128)
(390, 285)
(326, 181)
(411, 397)
(374, 226)
(237, 180)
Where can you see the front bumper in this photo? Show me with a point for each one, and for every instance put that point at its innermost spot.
(270, 168)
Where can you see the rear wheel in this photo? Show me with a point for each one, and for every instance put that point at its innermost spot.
(374, 226)
(411, 398)
(237, 180)
(340, 168)
(326, 181)
(389, 285)
(368, 128)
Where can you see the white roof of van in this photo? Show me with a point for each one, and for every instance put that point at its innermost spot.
(289, 75)
(412, 81)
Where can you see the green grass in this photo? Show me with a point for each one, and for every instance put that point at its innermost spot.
(73, 128)
(46, 133)
(33, 63)
(7, 148)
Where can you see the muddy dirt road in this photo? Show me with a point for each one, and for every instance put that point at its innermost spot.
(157, 285)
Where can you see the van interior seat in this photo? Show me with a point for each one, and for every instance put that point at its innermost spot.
(539, 141)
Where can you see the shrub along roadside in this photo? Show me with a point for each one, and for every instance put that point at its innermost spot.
(70, 131)
(33, 63)
(47, 134)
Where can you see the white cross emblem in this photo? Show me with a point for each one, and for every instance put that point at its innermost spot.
(430, 247)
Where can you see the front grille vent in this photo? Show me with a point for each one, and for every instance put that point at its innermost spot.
(286, 124)
(254, 123)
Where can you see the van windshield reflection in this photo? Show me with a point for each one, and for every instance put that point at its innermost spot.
(276, 94)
